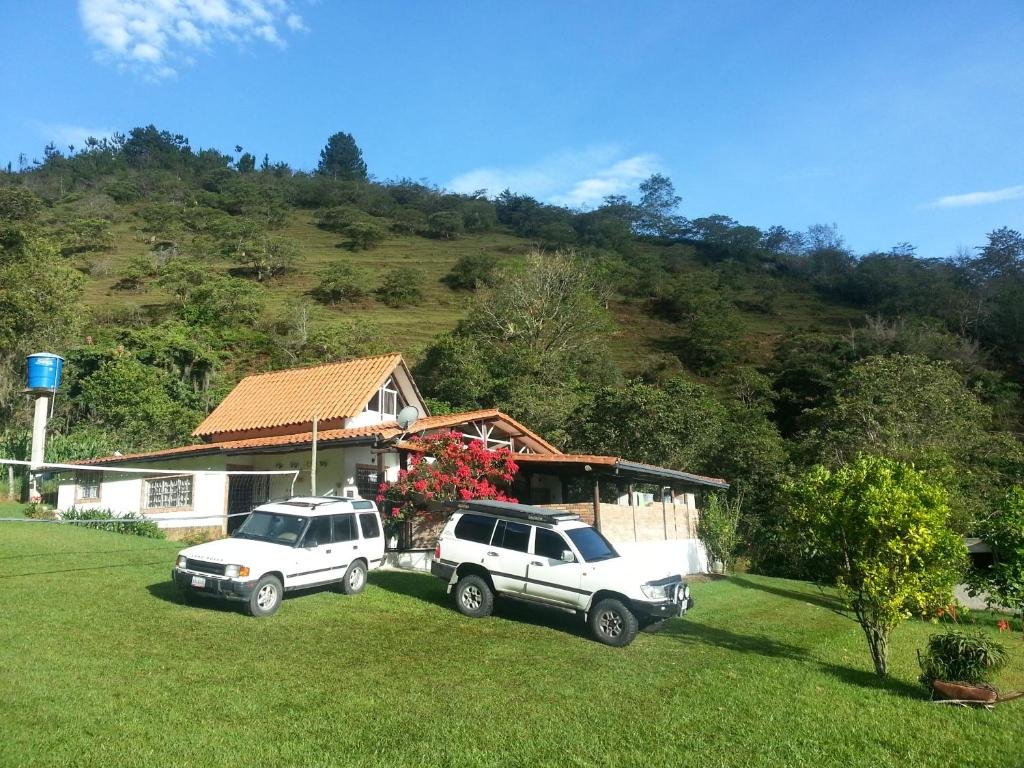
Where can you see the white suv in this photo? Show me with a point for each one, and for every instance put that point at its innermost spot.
(551, 558)
(286, 545)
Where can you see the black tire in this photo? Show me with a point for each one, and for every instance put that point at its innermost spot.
(355, 578)
(612, 623)
(474, 597)
(266, 597)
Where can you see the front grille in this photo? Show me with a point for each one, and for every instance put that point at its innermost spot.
(204, 567)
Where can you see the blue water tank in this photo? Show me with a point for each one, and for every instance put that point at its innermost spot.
(44, 369)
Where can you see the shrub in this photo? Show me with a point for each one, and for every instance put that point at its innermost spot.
(445, 225)
(401, 287)
(963, 657)
(39, 511)
(364, 235)
(472, 272)
(340, 282)
(717, 528)
(131, 524)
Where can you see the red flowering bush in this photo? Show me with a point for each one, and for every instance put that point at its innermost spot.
(444, 468)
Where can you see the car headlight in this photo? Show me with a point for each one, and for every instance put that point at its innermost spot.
(686, 591)
(182, 561)
(234, 571)
(656, 591)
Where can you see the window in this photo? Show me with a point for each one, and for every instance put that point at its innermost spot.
(268, 526)
(474, 528)
(509, 535)
(388, 400)
(88, 486)
(319, 532)
(345, 527)
(369, 526)
(169, 492)
(549, 544)
(591, 544)
(366, 481)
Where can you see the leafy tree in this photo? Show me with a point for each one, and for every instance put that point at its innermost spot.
(84, 236)
(472, 272)
(401, 287)
(246, 163)
(265, 255)
(445, 225)
(139, 268)
(711, 328)
(1004, 532)
(658, 203)
(19, 204)
(342, 158)
(341, 282)
(223, 302)
(881, 531)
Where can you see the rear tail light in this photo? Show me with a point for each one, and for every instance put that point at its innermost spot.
(437, 551)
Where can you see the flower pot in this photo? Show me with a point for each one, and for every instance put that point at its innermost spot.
(979, 692)
(717, 566)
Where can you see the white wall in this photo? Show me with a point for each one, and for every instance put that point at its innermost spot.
(687, 556)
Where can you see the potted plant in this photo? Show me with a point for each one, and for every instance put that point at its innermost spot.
(959, 666)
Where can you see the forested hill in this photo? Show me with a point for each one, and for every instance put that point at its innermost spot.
(165, 273)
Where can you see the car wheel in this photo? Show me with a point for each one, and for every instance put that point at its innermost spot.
(474, 597)
(355, 579)
(266, 597)
(612, 623)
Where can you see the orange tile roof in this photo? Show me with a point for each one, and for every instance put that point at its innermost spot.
(294, 396)
(382, 431)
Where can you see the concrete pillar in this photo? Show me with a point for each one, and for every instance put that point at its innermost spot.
(42, 411)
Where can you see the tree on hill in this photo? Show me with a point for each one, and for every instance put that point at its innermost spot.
(342, 158)
(658, 203)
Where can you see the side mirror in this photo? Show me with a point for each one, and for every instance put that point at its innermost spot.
(567, 556)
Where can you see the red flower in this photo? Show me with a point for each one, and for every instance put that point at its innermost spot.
(1004, 625)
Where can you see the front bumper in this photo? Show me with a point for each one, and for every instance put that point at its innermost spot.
(213, 586)
(662, 609)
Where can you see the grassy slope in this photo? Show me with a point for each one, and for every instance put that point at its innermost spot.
(103, 665)
(411, 328)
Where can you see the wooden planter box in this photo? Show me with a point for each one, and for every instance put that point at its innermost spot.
(981, 693)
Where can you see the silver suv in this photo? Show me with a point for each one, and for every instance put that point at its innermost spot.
(552, 558)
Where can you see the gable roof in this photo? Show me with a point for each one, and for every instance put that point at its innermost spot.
(292, 397)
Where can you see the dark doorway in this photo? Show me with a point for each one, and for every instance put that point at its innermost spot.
(244, 493)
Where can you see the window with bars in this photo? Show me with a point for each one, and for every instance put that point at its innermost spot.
(88, 484)
(169, 492)
(366, 481)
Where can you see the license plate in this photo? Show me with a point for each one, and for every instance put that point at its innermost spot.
(198, 581)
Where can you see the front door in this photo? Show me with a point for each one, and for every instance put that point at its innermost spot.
(244, 493)
(549, 576)
(317, 558)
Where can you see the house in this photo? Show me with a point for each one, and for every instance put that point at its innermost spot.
(345, 413)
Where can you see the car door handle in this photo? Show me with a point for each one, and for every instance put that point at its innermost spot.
(536, 562)
(355, 546)
(328, 551)
(492, 554)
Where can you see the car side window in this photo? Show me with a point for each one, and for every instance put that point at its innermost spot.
(345, 527)
(319, 532)
(476, 528)
(369, 526)
(549, 544)
(510, 535)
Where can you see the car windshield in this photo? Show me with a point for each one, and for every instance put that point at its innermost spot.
(271, 526)
(591, 544)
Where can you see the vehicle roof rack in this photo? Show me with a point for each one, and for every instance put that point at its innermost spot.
(511, 509)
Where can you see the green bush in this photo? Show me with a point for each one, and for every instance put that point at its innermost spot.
(364, 235)
(963, 657)
(401, 287)
(340, 282)
(131, 524)
(39, 511)
(717, 528)
(472, 272)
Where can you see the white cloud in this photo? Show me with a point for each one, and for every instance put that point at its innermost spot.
(978, 198)
(581, 178)
(155, 36)
(63, 134)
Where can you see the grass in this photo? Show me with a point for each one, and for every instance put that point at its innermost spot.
(104, 665)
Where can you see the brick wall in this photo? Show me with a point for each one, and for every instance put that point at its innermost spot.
(646, 523)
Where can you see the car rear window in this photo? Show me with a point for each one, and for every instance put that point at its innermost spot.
(368, 522)
(476, 528)
(511, 535)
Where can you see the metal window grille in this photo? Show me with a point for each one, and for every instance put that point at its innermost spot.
(88, 485)
(168, 492)
(367, 482)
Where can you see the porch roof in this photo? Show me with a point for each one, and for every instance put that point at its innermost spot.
(569, 463)
(328, 437)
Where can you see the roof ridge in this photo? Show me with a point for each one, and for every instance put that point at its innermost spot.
(323, 365)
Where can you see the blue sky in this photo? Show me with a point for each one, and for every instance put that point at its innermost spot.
(897, 121)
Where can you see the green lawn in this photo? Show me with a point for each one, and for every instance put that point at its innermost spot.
(101, 664)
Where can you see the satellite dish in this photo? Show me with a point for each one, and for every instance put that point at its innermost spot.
(407, 417)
